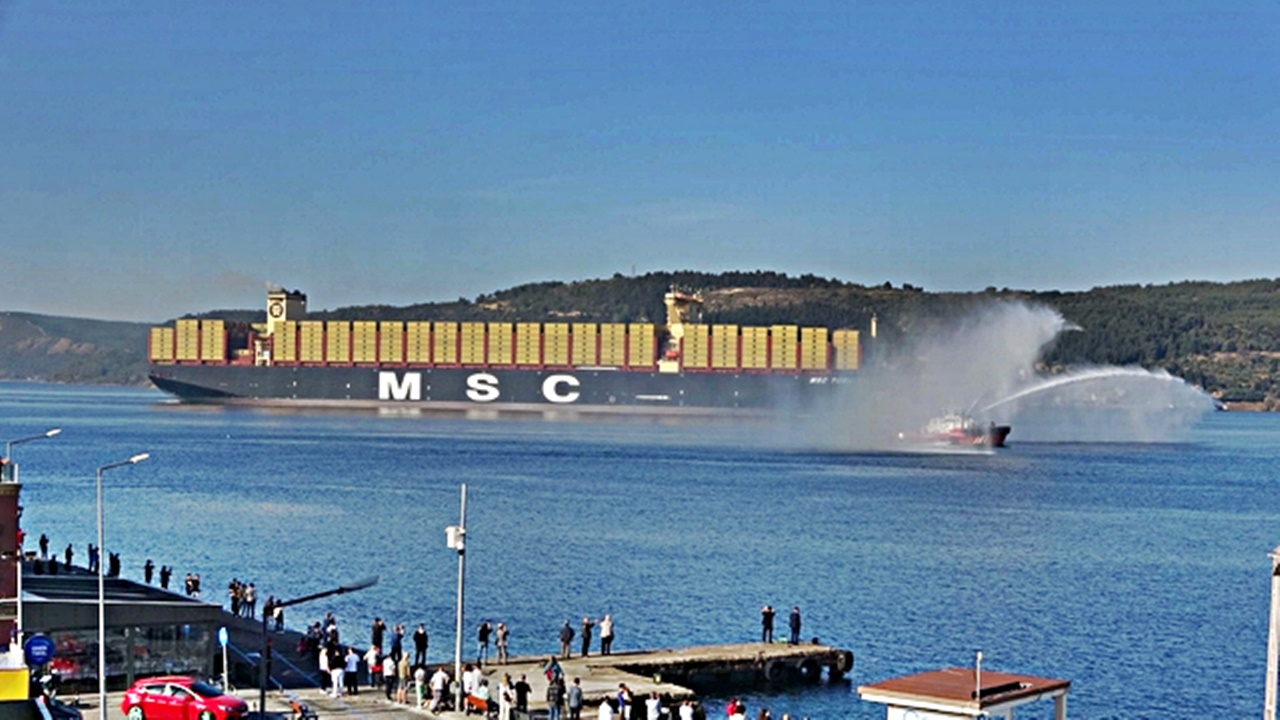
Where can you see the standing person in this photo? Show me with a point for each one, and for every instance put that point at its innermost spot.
(653, 707)
(502, 634)
(766, 623)
(686, 709)
(351, 671)
(606, 636)
(376, 632)
(420, 645)
(575, 699)
(566, 638)
(389, 677)
(397, 643)
(795, 624)
(250, 601)
(606, 711)
(402, 677)
(439, 689)
(69, 553)
(165, 573)
(337, 670)
(372, 660)
(420, 686)
(506, 697)
(482, 642)
(624, 699)
(555, 698)
(587, 625)
(147, 569)
(522, 696)
(44, 546)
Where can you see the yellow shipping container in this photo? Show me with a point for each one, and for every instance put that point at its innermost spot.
(501, 336)
(555, 344)
(585, 345)
(417, 342)
(640, 347)
(724, 347)
(847, 349)
(337, 341)
(364, 341)
(188, 341)
(782, 346)
(695, 352)
(213, 340)
(160, 344)
(391, 341)
(312, 347)
(528, 344)
(284, 342)
(813, 348)
(444, 343)
(613, 344)
(472, 349)
(755, 348)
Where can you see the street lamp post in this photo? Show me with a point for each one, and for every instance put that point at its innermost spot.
(102, 601)
(8, 446)
(263, 658)
(12, 471)
(455, 536)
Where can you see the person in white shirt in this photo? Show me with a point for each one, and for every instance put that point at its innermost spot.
(439, 688)
(653, 707)
(606, 711)
(686, 710)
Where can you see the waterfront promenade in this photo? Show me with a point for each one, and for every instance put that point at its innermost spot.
(600, 676)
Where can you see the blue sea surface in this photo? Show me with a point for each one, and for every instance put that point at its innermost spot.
(1139, 572)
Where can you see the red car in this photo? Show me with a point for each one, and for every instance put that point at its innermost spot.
(178, 697)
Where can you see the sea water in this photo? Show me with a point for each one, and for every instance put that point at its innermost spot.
(1139, 572)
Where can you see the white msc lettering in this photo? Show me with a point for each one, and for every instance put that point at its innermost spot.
(482, 387)
(392, 388)
(551, 388)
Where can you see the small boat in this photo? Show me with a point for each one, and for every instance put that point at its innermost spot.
(960, 429)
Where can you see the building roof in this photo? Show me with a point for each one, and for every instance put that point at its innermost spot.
(954, 690)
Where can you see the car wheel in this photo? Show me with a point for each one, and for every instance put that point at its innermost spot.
(206, 715)
(135, 713)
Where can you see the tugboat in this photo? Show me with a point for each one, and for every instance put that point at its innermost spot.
(960, 429)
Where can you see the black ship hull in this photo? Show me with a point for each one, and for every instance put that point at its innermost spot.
(500, 390)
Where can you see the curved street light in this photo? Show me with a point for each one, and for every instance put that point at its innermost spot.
(263, 657)
(10, 474)
(102, 603)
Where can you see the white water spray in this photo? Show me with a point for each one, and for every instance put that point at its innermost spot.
(984, 364)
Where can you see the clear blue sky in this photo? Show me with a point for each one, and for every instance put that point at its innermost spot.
(164, 157)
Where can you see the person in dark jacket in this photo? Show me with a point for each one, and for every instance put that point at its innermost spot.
(566, 638)
(795, 624)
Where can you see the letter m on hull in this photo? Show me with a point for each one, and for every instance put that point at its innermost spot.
(391, 387)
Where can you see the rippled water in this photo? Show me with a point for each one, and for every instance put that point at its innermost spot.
(1137, 571)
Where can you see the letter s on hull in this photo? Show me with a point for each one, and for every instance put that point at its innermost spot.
(551, 389)
(408, 388)
(482, 387)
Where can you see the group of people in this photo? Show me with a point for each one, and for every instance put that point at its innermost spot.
(49, 563)
(587, 628)
(767, 614)
(243, 598)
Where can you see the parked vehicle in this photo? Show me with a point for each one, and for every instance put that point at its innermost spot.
(180, 697)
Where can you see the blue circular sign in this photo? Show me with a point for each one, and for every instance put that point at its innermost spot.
(38, 650)
(222, 636)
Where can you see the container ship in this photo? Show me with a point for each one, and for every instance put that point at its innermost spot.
(681, 367)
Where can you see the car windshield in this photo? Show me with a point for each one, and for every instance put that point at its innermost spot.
(204, 689)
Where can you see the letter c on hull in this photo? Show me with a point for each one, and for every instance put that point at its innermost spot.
(551, 389)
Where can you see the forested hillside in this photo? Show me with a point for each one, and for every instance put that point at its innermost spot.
(1224, 337)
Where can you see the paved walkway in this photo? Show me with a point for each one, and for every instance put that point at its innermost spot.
(599, 680)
